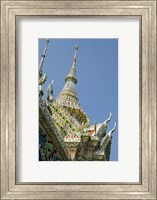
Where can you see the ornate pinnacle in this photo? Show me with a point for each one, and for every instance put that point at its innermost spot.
(72, 72)
(74, 60)
(42, 58)
(42, 78)
(77, 47)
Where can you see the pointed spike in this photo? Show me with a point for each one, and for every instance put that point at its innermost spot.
(77, 47)
(75, 55)
(72, 73)
(43, 56)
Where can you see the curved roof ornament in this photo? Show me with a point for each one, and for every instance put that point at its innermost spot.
(102, 129)
(107, 137)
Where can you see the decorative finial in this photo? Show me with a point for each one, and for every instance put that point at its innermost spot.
(107, 138)
(72, 73)
(76, 47)
(74, 60)
(42, 78)
(42, 58)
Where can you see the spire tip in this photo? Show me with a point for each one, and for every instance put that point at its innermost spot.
(76, 47)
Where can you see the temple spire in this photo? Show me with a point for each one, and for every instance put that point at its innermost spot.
(72, 74)
(75, 56)
(42, 58)
(42, 78)
(68, 96)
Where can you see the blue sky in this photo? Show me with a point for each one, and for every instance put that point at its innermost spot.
(96, 72)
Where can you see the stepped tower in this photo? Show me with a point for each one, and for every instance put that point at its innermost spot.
(68, 114)
(68, 97)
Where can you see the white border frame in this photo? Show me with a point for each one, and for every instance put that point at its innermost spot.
(127, 168)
